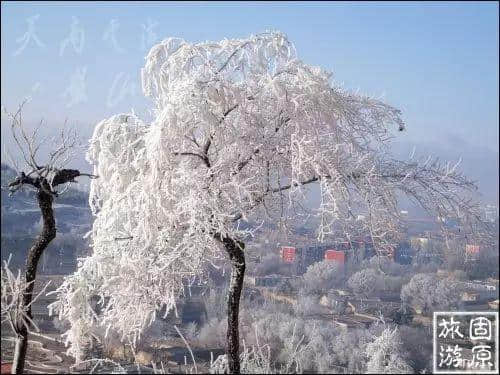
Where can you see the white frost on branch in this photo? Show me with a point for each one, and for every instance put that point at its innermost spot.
(242, 128)
(385, 355)
(12, 309)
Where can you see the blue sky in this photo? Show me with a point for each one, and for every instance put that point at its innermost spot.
(437, 62)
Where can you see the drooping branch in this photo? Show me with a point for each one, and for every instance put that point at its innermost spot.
(411, 178)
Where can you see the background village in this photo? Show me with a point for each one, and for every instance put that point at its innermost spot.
(342, 286)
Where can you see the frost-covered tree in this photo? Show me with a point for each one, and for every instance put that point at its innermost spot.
(427, 292)
(349, 348)
(321, 277)
(49, 178)
(307, 305)
(14, 312)
(363, 283)
(385, 355)
(417, 343)
(391, 276)
(242, 128)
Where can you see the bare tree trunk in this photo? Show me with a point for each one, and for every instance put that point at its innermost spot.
(47, 234)
(237, 257)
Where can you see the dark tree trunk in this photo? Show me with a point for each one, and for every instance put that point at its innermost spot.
(237, 257)
(47, 234)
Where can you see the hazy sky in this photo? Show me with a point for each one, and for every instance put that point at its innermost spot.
(437, 62)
